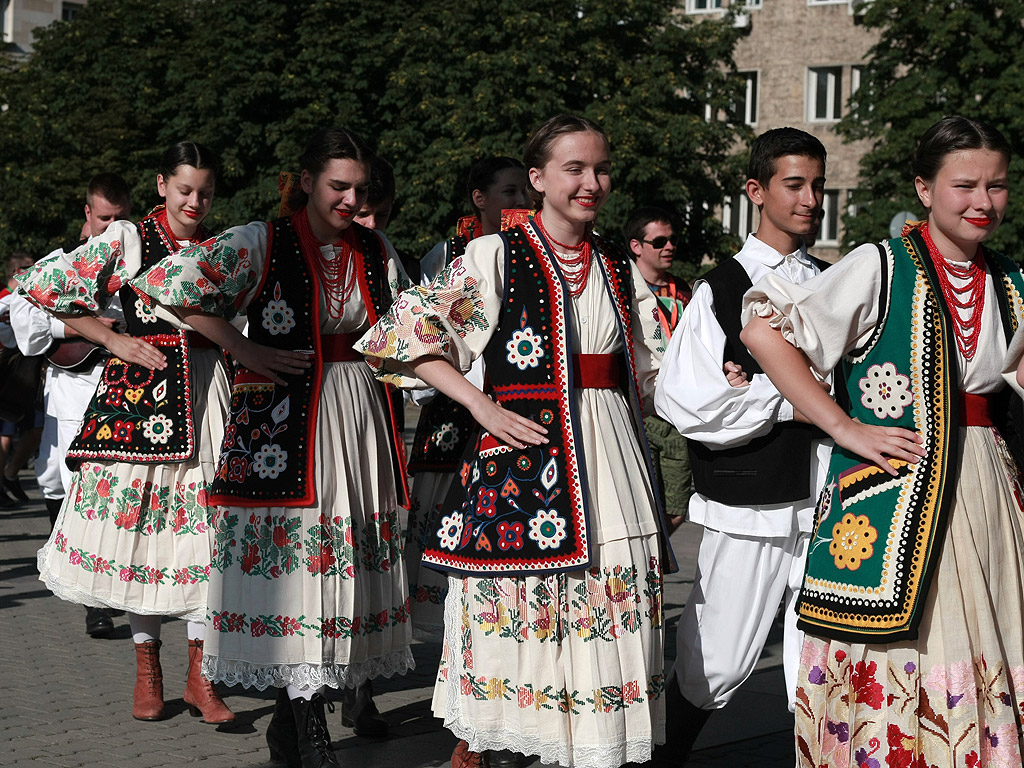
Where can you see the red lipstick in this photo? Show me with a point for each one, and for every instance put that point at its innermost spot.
(978, 221)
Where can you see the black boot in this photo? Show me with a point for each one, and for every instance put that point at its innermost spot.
(683, 723)
(314, 741)
(282, 738)
(53, 509)
(98, 622)
(359, 713)
(506, 758)
(12, 485)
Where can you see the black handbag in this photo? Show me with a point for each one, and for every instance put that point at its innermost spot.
(19, 383)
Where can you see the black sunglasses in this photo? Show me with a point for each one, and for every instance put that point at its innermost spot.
(660, 242)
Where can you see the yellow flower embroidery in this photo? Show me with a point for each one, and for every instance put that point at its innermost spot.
(105, 433)
(496, 688)
(852, 539)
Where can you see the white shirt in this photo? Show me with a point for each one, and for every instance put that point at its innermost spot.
(694, 394)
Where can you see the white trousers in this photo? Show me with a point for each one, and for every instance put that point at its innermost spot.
(736, 593)
(52, 472)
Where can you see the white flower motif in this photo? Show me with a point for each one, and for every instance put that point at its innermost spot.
(886, 391)
(101, 388)
(278, 317)
(447, 436)
(270, 461)
(157, 428)
(525, 349)
(450, 531)
(547, 528)
(144, 312)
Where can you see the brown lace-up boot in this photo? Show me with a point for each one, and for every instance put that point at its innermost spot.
(199, 692)
(463, 758)
(148, 699)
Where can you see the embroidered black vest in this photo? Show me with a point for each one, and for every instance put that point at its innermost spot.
(268, 455)
(771, 469)
(140, 415)
(525, 511)
(445, 428)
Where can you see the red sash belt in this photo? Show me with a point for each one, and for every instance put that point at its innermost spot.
(975, 410)
(596, 371)
(337, 347)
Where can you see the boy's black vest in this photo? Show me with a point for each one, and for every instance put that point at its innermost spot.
(526, 511)
(772, 469)
(445, 428)
(137, 414)
(268, 457)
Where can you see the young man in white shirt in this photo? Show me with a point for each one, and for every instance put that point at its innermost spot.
(757, 465)
(66, 393)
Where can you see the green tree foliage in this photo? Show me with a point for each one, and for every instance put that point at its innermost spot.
(433, 85)
(934, 58)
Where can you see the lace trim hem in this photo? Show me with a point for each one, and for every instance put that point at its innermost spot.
(81, 597)
(613, 755)
(263, 676)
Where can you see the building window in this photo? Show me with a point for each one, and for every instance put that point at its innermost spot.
(68, 11)
(856, 72)
(824, 93)
(828, 234)
(745, 4)
(738, 215)
(828, 2)
(703, 6)
(746, 109)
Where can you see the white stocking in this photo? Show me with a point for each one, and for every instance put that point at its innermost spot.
(144, 628)
(301, 693)
(197, 630)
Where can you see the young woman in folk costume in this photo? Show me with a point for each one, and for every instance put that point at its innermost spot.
(134, 531)
(445, 427)
(913, 598)
(553, 625)
(309, 589)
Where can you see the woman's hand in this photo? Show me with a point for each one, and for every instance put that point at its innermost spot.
(875, 443)
(735, 374)
(134, 350)
(267, 361)
(506, 426)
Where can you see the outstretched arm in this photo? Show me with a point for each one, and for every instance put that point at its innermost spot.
(506, 426)
(266, 361)
(790, 371)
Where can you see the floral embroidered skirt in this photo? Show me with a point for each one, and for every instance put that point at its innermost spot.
(317, 596)
(569, 667)
(954, 696)
(427, 587)
(136, 537)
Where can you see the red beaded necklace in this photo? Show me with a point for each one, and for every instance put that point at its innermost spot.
(578, 266)
(970, 298)
(337, 280)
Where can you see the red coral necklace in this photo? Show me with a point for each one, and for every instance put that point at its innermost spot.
(969, 299)
(575, 269)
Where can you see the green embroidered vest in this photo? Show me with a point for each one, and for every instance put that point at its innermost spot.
(877, 537)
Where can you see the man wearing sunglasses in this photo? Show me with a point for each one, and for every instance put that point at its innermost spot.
(651, 242)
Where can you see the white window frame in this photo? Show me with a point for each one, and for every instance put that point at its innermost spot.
(712, 6)
(828, 2)
(740, 208)
(833, 95)
(751, 96)
(856, 75)
(828, 233)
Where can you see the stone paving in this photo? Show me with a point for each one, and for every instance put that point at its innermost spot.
(65, 698)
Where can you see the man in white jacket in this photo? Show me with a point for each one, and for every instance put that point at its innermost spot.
(67, 391)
